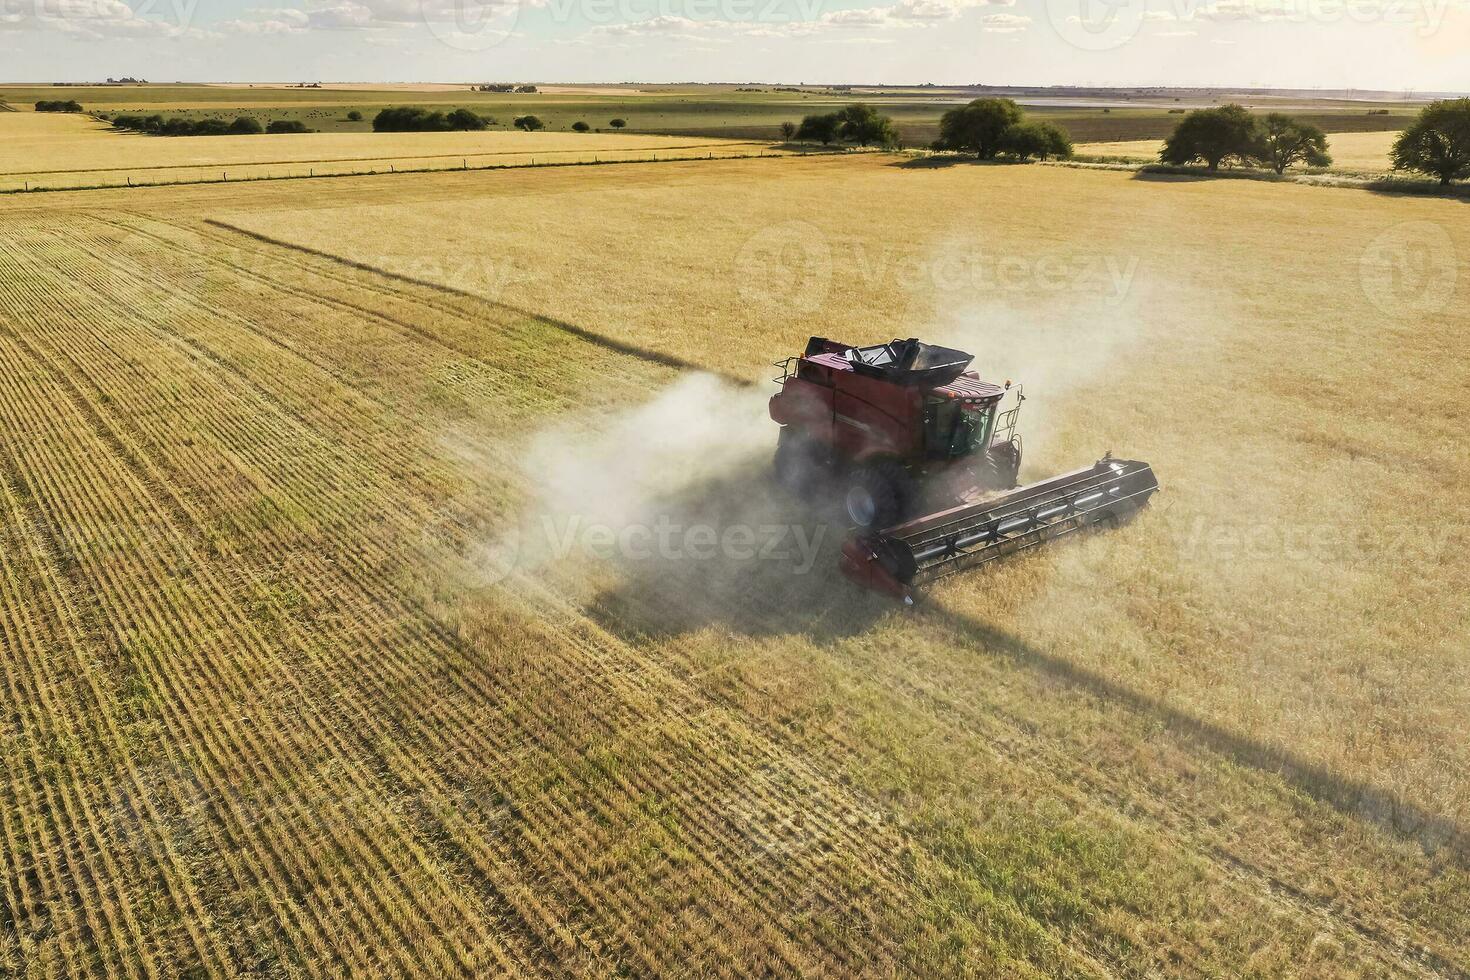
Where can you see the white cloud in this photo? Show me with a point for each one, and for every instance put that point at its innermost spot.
(371, 15)
(342, 17)
(670, 28)
(862, 19)
(666, 24)
(284, 21)
(921, 10)
(1004, 23)
(857, 17)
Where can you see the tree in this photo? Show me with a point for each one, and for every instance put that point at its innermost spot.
(1036, 139)
(246, 126)
(788, 131)
(1212, 136)
(1023, 141)
(529, 123)
(1438, 142)
(822, 128)
(58, 106)
(463, 120)
(278, 126)
(580, 126)
(143, 124)
(859, 123)
(618, 123)
(354, 116)
(1059, 142)
(207, 127)
(977, 128)
(1282, 141)
(410, 119)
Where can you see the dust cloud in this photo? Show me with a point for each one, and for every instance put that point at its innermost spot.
(667, 515)
(697, 430)
(1058, 352)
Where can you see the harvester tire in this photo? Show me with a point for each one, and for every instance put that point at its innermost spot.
(1002, 468)
(877, 495)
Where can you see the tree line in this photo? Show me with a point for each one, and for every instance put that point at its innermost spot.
(56, 105)
(1436, 144)
(408, 119)
(157, 125)
(411, 119)
(857, 123)
(987, 128)
(1231, 135)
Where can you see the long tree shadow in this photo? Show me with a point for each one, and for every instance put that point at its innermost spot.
(1434, 832)
(1174, 178)
(1458, 193)
(945, 161)
(581, 333)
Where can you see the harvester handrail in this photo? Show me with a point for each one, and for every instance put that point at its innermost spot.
(786, 371)
(1005, 422)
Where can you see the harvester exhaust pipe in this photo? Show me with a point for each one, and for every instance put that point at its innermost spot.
(900, 559)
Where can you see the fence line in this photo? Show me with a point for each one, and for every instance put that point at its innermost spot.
(392, 170)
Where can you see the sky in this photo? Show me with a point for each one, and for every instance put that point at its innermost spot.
(1399, 46)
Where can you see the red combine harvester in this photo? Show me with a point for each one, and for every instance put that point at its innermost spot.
(928, 462)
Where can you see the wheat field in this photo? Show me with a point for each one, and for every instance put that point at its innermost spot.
(41, 150)
(292, 692)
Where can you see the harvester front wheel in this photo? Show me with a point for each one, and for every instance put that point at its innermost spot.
(877, 494)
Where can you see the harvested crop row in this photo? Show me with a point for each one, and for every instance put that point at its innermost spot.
(324, 821)
(120, 384)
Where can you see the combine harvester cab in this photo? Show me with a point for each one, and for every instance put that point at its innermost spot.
(900, 422)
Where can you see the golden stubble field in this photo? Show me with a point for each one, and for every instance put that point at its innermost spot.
(42, 150)
(298, 690)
